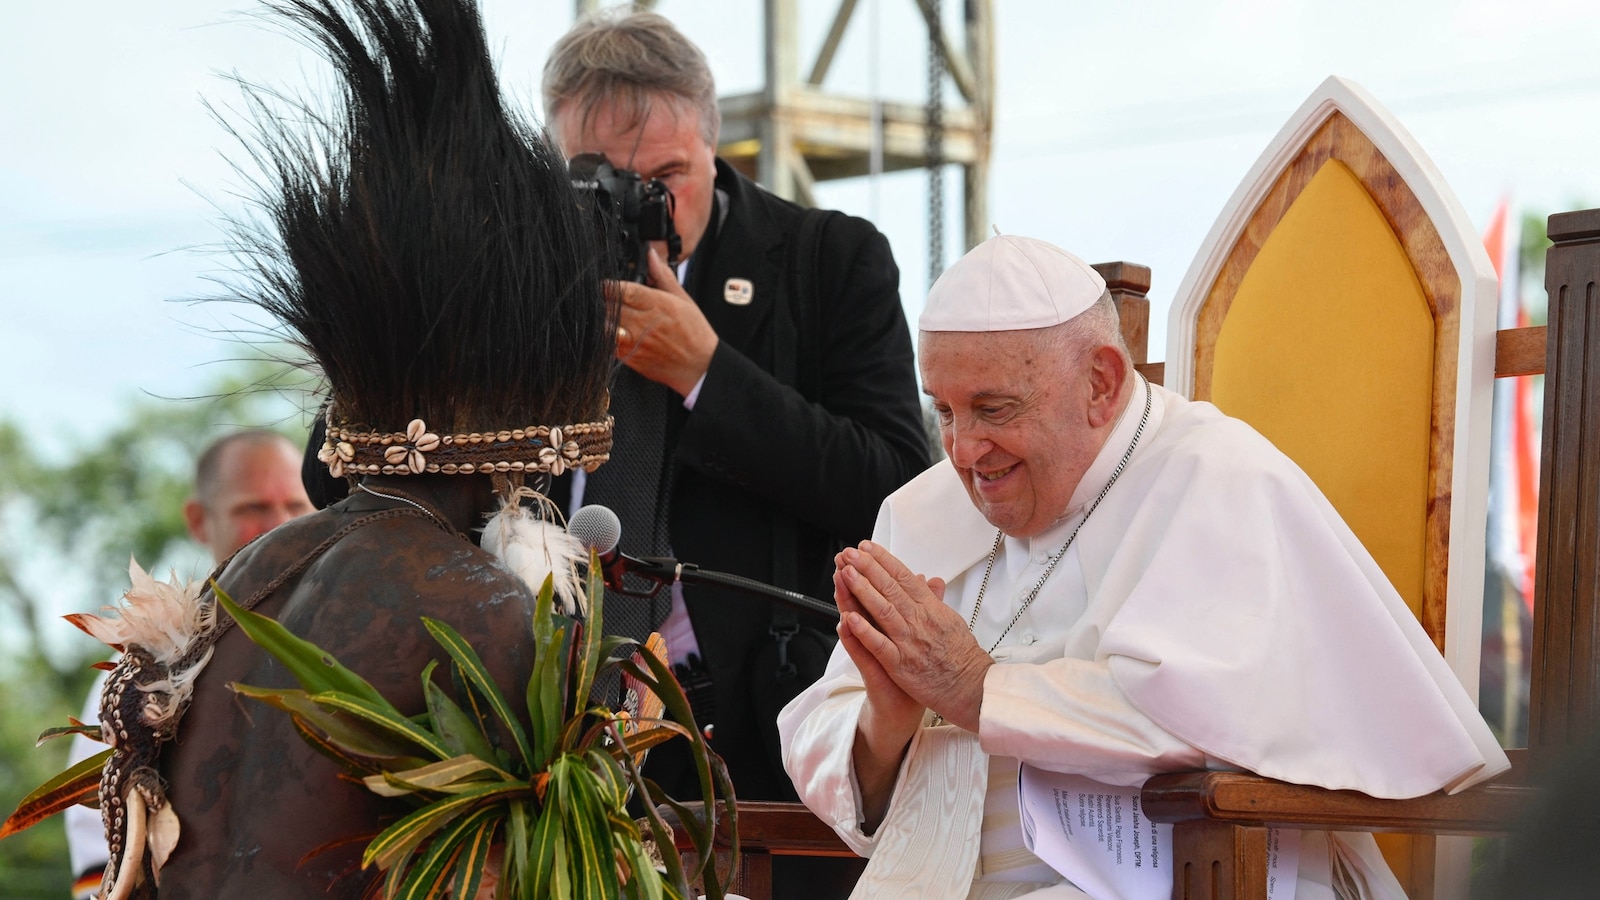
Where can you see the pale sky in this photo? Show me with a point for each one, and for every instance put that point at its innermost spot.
(1122, 129)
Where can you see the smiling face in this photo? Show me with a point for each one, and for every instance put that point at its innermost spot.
(1022, 415)
(669, 145)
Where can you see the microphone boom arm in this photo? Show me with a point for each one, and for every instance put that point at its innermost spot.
(668, 570)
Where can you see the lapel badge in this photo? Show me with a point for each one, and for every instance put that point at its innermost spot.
(738, 291)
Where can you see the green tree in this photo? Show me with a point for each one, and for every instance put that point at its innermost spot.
(80, 518)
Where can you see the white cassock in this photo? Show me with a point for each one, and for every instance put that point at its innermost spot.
(1214, 612)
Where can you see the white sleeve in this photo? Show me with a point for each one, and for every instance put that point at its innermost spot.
(1068, 715)
(817, 731)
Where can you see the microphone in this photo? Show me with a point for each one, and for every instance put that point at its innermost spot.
(599, 530)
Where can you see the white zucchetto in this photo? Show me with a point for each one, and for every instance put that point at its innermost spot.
(1011, 283)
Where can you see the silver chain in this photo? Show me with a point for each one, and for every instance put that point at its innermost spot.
(410, 502)
(1055, 558)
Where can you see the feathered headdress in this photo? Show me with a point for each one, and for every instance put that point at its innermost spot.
(424, 246)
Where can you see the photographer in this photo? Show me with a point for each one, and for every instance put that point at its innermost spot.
(765, 402)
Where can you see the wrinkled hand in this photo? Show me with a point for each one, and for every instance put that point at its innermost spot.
(896, 622)
(661, 333)
(890, 716)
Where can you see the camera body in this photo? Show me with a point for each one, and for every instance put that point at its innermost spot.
(629, 213)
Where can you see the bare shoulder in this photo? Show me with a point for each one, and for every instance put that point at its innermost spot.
(257, 803)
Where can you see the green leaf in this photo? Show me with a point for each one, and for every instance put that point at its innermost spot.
(594, 862)
(644, 881)
(472, 667)
(610, 645)
(613, 780)
(349, 733)
(319, 742)
(70, 788)
(474, 705)
(428, 876)
(460, 732)
(443, 861)
(661, 832)
(92, 732)
(450, 776)
(387, 848)
(476, 847)
(315, 669)
(545, 854)
(709, 769)
(592, 634)
(730, 812)
(384, 717)
(515, 873)
(560, 877)
(651, 733)
(546, 696)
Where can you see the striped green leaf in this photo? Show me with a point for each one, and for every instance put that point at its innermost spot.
(387, 848)
(316, 670)
(709, 768)
(546, 698)
(612, 780)
(644, 881)
(450, 776)
(546, 855)
(592, 635)
(473, 860)
(473, 669)
(352, 735)
(460, 732)
(677, 878)
(361, 766)
(384, 718)
(439, 865)
(514, 883)
(561, 886)
(594, 862)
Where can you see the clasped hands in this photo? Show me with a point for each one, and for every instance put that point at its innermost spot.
(661, 332)
(914, 652)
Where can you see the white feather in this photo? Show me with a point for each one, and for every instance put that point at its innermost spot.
(537, 549)
(162, 617)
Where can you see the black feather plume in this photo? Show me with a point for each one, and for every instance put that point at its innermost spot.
(422, 242)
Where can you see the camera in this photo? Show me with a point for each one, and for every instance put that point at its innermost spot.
(629, 213)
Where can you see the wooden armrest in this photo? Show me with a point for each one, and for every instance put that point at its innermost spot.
(1243, 799)
(782, 829)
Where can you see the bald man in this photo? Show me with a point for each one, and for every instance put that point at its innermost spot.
(245, 484)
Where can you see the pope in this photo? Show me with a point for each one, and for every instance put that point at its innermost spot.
(1108, 580)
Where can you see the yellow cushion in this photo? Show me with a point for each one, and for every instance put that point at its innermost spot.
(1327, 349)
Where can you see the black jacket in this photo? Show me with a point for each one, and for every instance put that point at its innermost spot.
(756, 458)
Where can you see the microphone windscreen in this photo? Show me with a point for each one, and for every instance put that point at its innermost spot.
(596, 527)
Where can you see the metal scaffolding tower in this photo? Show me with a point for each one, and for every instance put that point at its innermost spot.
(792, 133)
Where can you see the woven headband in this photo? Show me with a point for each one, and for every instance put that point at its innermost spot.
(536, 448)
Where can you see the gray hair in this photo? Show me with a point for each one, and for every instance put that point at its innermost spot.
(1095, 327)
(629, 59)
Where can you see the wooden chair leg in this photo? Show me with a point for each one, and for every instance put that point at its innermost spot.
(1219, 861)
